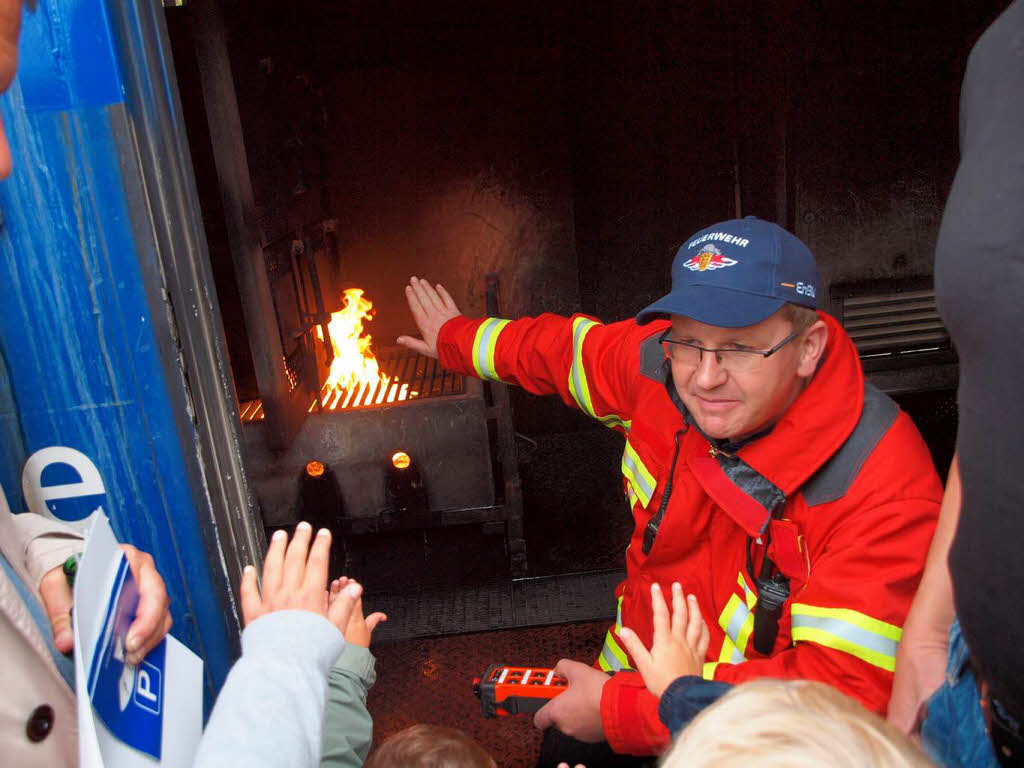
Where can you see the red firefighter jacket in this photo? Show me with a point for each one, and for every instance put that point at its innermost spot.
(850, 481)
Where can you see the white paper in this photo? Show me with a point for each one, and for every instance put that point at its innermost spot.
(128, 716)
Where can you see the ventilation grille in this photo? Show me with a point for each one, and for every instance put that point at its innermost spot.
(894, 327)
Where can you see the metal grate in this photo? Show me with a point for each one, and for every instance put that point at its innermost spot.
(410, 377)
(894, 324)
(251, 410)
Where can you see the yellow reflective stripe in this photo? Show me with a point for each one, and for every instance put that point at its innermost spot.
(577, 375)
(612, 656)
(862, 620)
(578, 386)
(726, 652)
(744, 635)
(852, 632)
(730, 654)
(611, 421)
(708, 673)
(641, 481)
(726, 614)
(631, 494)
(737, 619)
(483, 347)
(737, 622)
(748, 593)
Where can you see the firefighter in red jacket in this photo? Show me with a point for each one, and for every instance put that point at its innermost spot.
(789, 495)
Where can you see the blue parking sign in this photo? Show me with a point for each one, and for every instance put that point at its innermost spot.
(127, 698)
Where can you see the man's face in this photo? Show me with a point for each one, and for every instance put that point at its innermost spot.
(10, 26)
(732, 405)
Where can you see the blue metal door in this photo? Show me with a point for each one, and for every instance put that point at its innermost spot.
(108, 397)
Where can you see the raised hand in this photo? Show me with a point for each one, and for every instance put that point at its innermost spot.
(431, 308)
(680, 641)
(295, 578)
(360, 628)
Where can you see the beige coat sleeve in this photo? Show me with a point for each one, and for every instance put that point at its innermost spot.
(34, 544)
(27, 672)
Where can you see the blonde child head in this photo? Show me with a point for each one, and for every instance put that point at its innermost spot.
(790, 724)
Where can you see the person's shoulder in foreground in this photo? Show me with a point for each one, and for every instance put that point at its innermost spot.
(791, 724)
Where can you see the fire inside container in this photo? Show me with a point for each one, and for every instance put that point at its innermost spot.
(369, 406)
(357, 378)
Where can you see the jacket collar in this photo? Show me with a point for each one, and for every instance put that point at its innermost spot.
(818, 422)
(813, 428)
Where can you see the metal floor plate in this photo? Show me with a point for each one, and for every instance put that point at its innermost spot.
(430, 680)
(560, 599)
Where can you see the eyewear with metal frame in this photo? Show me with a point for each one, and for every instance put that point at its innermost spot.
(732, 360)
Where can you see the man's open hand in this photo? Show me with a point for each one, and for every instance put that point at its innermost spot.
(577, 712)
(431, 308)
(680, 643)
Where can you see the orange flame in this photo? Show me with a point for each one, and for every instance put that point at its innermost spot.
(355, 378)
(354, 363)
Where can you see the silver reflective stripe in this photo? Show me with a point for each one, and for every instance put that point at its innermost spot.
(610, 660)
(576, 370)
(630, 461)
(751, 598)
(490, 326)
(847, 631)
(736, 622)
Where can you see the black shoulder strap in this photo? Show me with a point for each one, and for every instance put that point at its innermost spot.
(834, 479)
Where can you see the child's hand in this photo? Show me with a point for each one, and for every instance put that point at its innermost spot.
(359, 628)
(680, 645)
(294, 577)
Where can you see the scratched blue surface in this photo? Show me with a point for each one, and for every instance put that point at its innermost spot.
(73, 61)
(76, 336)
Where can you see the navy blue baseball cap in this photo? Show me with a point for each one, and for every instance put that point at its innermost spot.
(737, 273)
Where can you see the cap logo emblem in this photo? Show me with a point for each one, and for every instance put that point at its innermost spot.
(709, 258)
